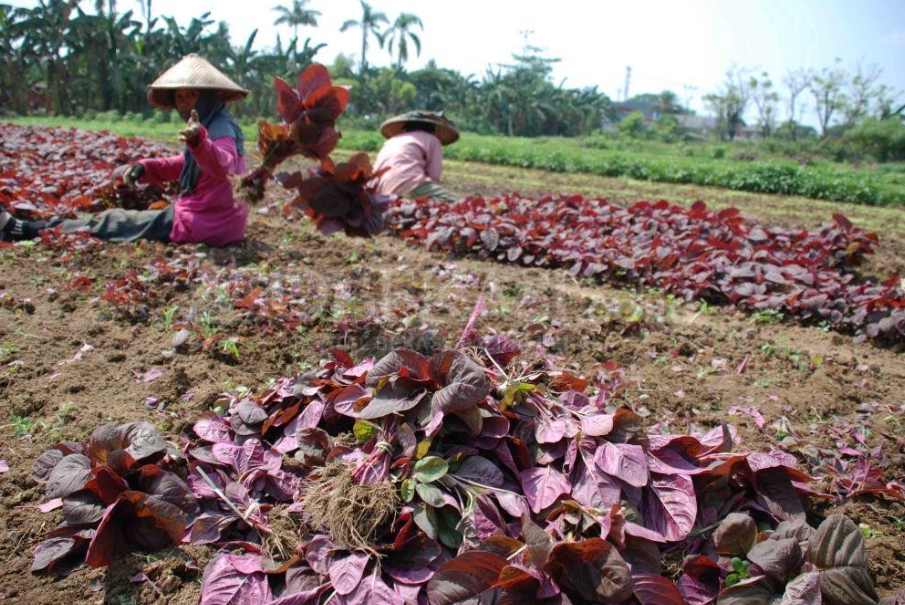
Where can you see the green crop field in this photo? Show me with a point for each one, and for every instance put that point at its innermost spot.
(641, 160)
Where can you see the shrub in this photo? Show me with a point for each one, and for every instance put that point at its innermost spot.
(884, 140)
(633, 126)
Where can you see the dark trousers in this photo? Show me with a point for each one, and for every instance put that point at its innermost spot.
(114, 225)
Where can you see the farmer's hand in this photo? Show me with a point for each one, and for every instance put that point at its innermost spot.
(192, 131)
(132, 174)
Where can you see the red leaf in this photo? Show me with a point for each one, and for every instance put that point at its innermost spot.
(314, 77)
(653, 589)
(464, 577)
(591, 570)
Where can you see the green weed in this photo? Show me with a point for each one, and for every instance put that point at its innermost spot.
(23, 425)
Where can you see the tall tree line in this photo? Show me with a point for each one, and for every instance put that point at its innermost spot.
(59, 58)
(841, 100)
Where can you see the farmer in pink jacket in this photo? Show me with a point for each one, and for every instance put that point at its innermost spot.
(205, 211)
(412, 157)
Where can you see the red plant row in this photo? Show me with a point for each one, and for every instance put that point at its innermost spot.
(694, 253)
(47, 173)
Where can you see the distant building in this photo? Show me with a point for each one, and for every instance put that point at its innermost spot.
(624, 109)
(748, 133)
(703, 125)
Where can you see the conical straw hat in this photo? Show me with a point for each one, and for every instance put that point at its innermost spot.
(443, 127)
(193, 71)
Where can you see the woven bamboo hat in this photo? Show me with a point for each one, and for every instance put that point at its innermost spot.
(193, 71)
(444, 128)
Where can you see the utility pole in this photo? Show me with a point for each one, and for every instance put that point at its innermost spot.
(628, 81)
(689, 94)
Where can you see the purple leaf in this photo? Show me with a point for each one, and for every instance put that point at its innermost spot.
(214, 430)
(464, 383)
(392, 398)
(370, 591)
(51, 505)
(408, 594)
(481, 470)
(350, 400)
(305, 597)
(538, 541)
(512, 503)
(83, 508)
(250, 413)
(838, 550)
(209, 527)
(318, 552)
(346, 572)
(753, 591)
(736, 535)
(803, 590)
(776, 558)
(149, 376)
(402, 363)
(700, 580)
(45, 463)
(51, 552)
(777, 494)
(671, 507)
(68, 476)
(627, 462)
(597, 425)
(413, 577)
(502, 349)
(550, 430)
(543, 486)
(234, 580)
(135, 519)
(590, 487)
(243, 457)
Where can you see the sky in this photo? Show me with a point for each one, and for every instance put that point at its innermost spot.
(683, 45)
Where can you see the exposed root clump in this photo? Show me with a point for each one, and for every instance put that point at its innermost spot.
(283, 541)
(354, 515)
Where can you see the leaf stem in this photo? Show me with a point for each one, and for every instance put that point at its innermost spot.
(230, 503)
(517, 553)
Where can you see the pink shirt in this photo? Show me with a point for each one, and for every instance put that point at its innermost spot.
(210, 214)
(413, 158)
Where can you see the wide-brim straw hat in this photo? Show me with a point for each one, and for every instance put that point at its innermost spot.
(444, 128)
(193, 71)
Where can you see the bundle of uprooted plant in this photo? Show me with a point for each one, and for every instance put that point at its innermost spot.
(335, 197)
(308, 127)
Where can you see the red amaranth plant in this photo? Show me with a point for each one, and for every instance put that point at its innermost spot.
(309, 116)
(118, 491)
(340, 197)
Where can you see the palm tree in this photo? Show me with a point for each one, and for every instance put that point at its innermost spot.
(369, 24)
(146, 12)
(399, 35)
(297, 15)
